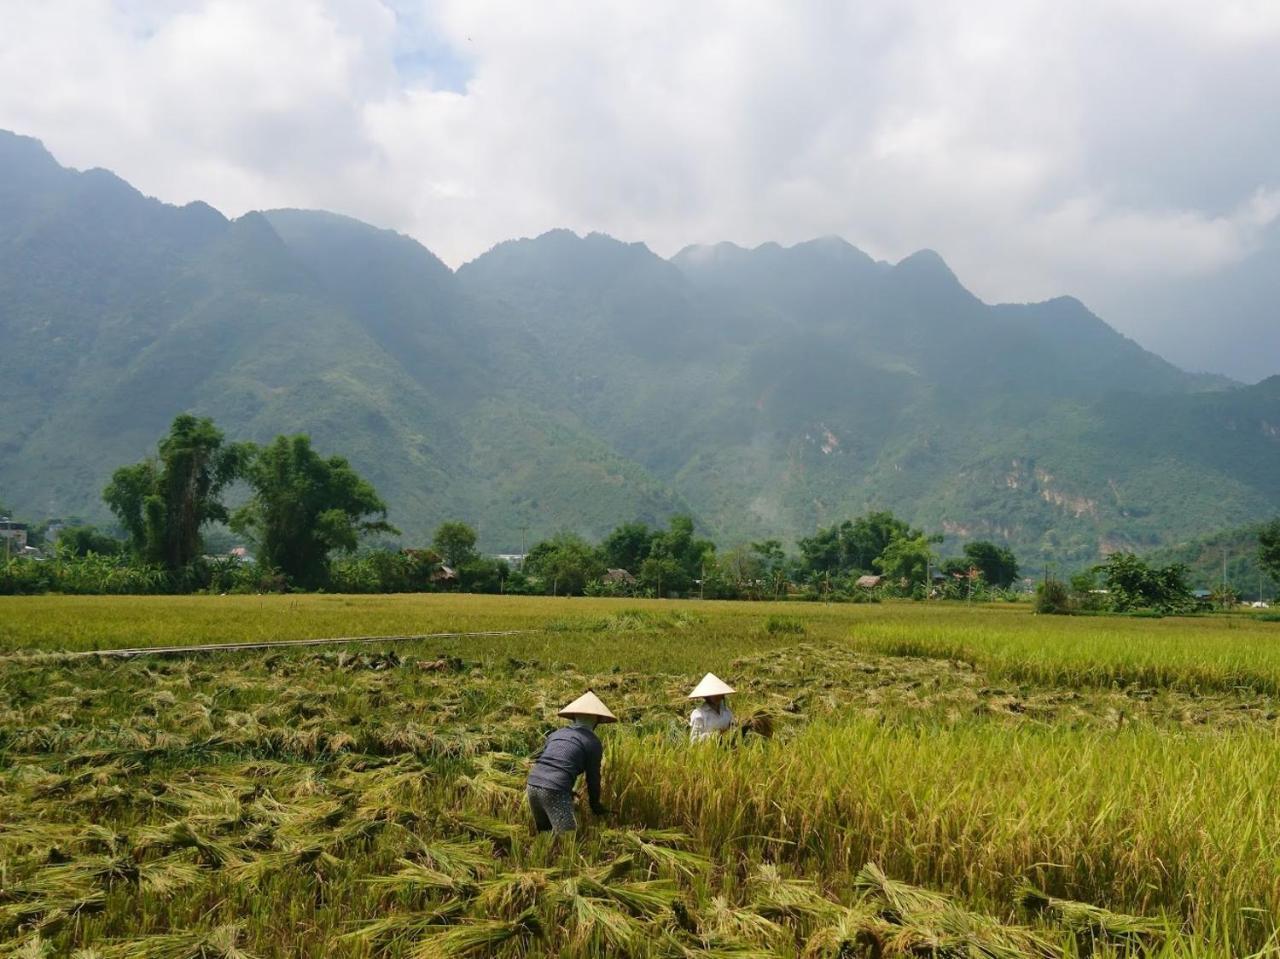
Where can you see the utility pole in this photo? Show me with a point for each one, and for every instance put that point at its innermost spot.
(524, 549)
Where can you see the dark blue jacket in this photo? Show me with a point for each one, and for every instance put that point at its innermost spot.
(567, 753)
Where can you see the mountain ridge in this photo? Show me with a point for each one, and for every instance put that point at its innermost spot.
(576, 382)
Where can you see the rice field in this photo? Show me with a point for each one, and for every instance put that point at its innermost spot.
(917, 780)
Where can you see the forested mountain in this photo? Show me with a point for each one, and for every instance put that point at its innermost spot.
(577, 382)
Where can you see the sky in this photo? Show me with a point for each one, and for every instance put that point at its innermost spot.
(1126, 152)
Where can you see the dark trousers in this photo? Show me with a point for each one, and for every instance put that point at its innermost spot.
(552, 809)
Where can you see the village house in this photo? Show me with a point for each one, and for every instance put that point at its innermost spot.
(445, 576)
(618, 577)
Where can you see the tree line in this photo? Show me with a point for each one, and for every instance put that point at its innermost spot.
(307, 517)
(1127, 583)
(301, 508)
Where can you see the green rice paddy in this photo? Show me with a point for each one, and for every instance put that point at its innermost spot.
(921, 780)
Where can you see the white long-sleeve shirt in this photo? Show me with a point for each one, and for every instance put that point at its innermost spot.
(705, 722)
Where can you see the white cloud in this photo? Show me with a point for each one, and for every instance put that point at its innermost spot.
(1041, 147)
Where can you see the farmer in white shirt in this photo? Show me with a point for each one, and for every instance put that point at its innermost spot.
(713, 716)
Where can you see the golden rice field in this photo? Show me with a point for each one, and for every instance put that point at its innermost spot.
(921, 781)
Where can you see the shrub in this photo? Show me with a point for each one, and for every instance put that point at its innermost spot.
(1053, 597)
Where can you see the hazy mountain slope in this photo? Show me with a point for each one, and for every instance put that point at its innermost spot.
(83, 261)
(577, 382)
(825, 384)
(606, 332)
(1189, 316)
(325, 326)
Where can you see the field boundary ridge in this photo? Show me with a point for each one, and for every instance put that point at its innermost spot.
(132, 651)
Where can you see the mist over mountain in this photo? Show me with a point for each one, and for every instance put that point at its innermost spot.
(1227, 321)
(568, 382)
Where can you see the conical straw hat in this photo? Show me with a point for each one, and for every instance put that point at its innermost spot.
(711, 685)
(588, 704)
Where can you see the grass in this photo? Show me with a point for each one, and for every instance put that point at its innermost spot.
(1194, 653)
(939, 780)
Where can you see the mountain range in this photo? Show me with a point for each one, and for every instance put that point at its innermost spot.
(576, 382)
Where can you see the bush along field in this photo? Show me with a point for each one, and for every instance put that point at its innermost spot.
(880, 799)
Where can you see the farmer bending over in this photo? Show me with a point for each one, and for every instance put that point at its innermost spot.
(567, 753)
(713, 716)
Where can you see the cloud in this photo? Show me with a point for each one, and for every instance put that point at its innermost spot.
(1040, 147)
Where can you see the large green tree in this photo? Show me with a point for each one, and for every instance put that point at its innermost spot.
(456, 543)
(1269, 548)
(852, 546)
(907, 559)
(774, 562)
(1132, 584)
(627, 546)
(676, 558)
(304, 507)
(565, 564)
(998, 565)
(164, 502)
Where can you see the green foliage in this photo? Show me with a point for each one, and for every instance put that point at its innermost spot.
(1053, 597)
(455, 542)
(627, 546)
(998, 565)
(163, 503)
(483, 575)
(1132, 584)
(83, 540)
(1084, 582)
(303, 507)
(663, 576)
(1086, 595)
(854, 545)
(676, 558)
(92, 574)
(1269, 548)
(1224, 596)
(906, 559)
(384, 571)
(565, 564)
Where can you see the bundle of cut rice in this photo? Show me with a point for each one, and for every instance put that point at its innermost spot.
(1093, 924)
(760, 723)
